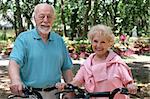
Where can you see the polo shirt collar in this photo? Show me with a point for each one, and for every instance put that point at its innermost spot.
(38, 37)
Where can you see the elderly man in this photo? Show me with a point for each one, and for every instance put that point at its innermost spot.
(39, 58)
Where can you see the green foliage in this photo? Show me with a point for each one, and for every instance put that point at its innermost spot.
(9, 33)
(121, 15)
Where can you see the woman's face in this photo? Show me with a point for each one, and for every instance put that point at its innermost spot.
(100, 45)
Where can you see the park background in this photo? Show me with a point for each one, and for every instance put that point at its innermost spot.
(129, 19)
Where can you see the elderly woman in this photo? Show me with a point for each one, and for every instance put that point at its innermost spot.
(103, 70)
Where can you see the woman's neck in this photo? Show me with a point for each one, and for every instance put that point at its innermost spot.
(101, 58)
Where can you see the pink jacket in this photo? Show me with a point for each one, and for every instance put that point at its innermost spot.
(114, 73)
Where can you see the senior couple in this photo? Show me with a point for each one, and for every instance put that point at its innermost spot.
(40, 58)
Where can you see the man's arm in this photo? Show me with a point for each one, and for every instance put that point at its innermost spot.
(68, 75)
(14, 74)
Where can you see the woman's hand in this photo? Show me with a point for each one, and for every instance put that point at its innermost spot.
(132, 87)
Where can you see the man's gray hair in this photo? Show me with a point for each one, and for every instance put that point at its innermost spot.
(43, 4)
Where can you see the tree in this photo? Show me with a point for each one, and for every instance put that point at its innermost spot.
(18, 18)
(75, 17)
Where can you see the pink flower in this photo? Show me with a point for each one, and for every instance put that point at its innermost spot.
(123, 37)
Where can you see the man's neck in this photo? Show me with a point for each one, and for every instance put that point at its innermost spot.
(44, 37)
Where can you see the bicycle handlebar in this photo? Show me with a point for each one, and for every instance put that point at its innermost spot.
(27, 92)
(82, 93)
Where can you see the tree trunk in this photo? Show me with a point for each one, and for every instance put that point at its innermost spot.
(20, 27)
(63, 18)
(73, 24)
(15, 24)
(95, 11)
(86, 17)
(55, 1)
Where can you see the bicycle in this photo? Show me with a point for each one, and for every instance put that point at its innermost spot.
(28, 92)
(83, 94)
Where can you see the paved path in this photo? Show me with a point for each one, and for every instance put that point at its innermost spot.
(4, 62)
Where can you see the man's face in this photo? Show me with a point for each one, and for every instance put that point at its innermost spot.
(44, 18)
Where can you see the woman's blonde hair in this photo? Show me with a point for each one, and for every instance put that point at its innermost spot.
(103, 31)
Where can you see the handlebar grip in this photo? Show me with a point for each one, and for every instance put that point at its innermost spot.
(124, 91)
(27, 92)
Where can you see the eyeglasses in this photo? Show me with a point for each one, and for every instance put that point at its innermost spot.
(41, 17)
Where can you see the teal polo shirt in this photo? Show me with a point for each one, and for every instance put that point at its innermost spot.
(41, 64)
